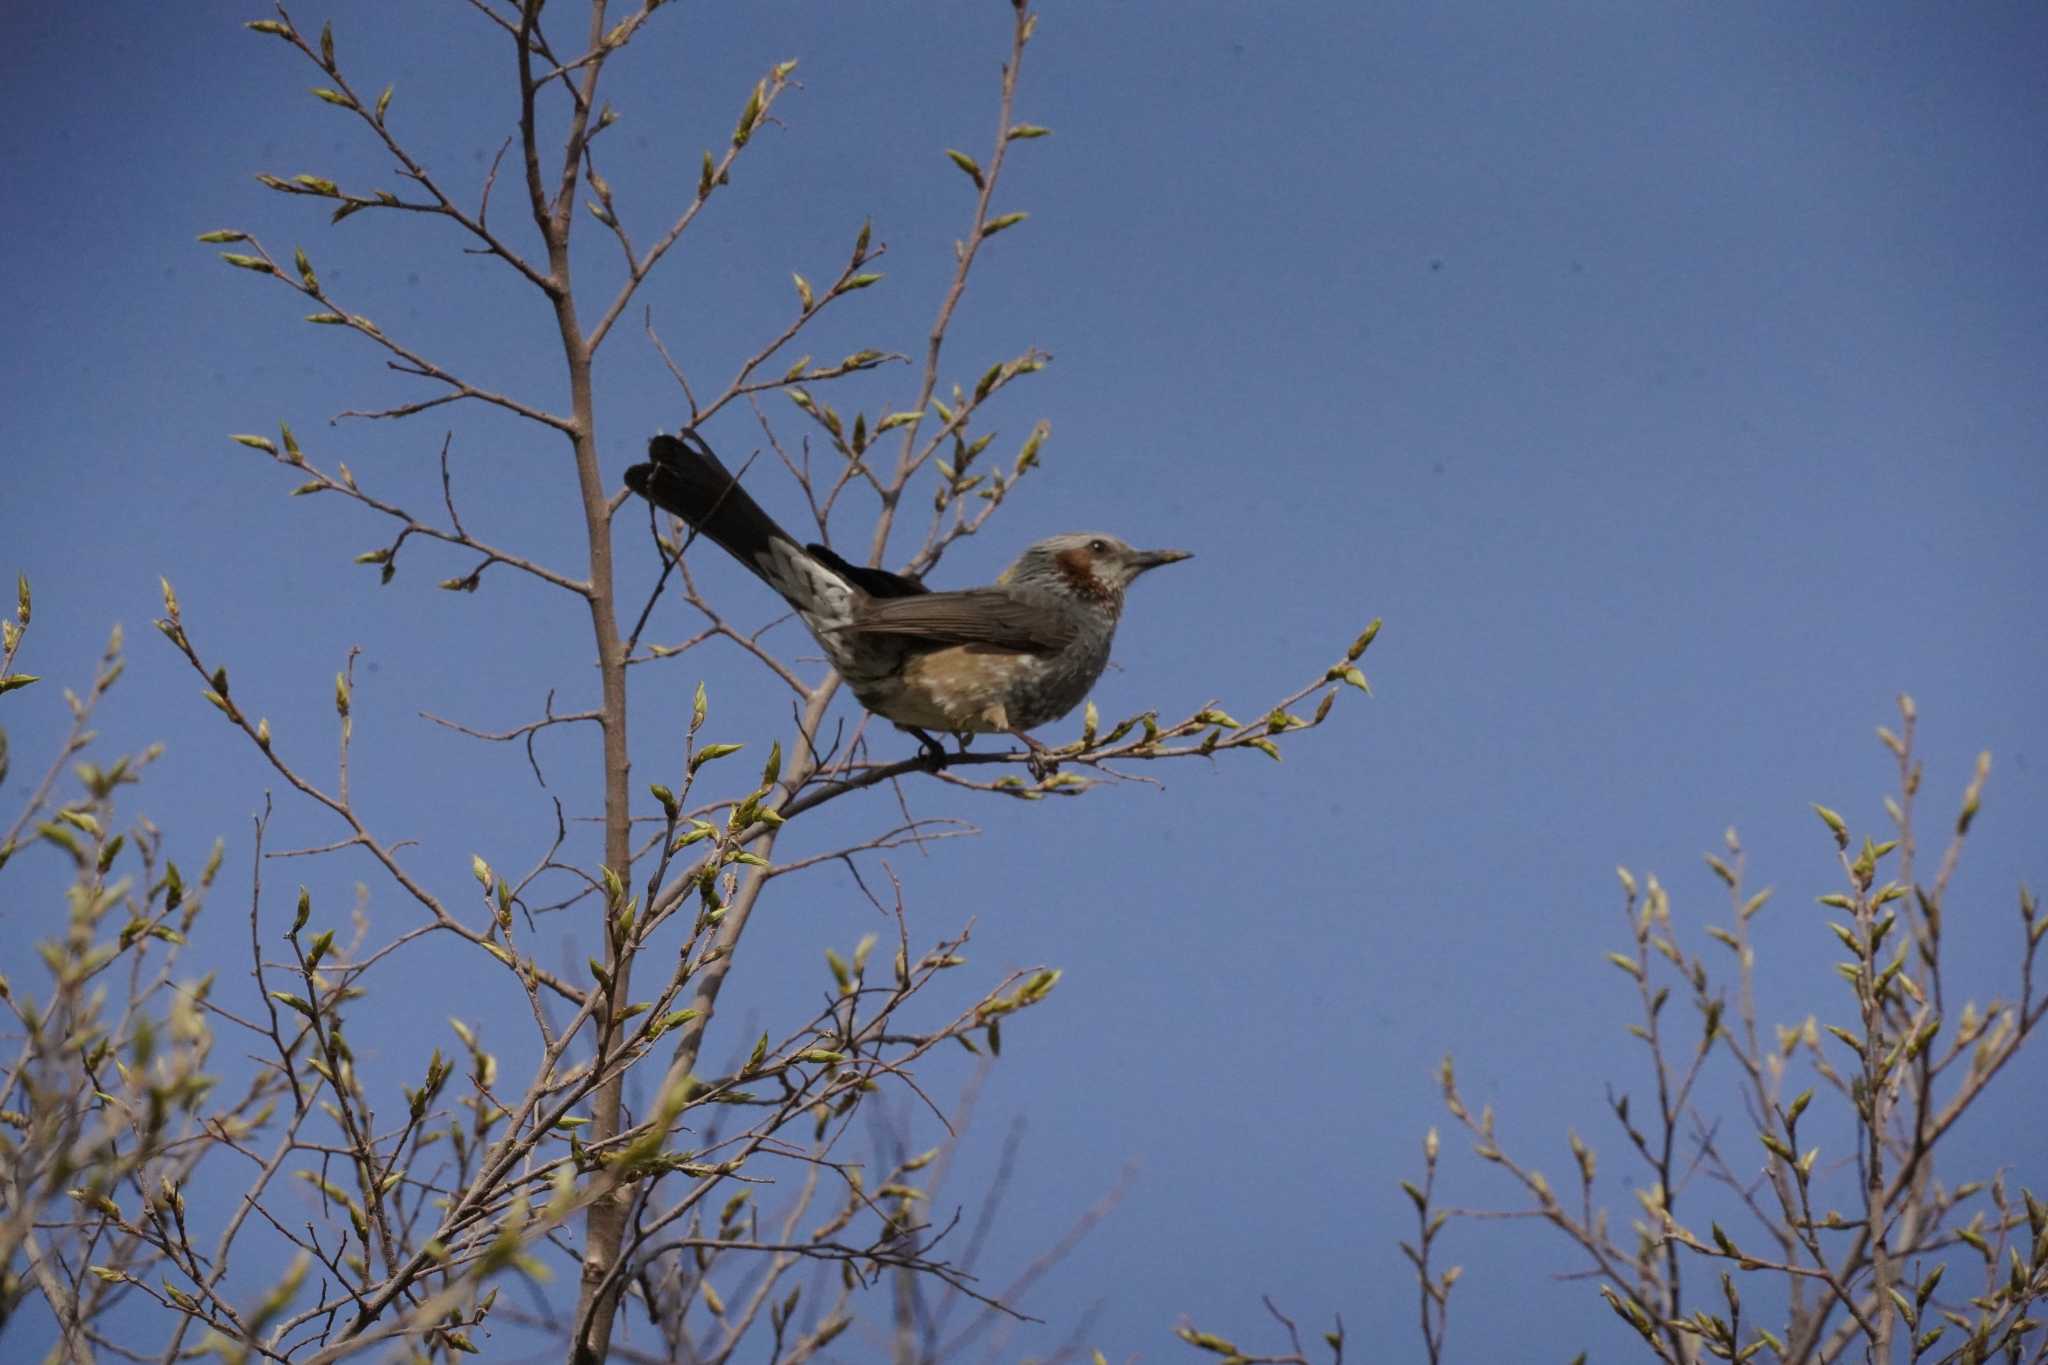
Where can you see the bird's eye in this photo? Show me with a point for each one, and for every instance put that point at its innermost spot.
(1098, 546)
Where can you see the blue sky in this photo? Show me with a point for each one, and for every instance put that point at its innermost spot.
(1668, 379)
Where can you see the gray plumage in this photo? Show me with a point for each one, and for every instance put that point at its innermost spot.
(1009, 657)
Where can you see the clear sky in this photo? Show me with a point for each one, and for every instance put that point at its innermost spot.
(1670, 379)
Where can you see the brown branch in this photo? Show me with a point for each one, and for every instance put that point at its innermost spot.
(965, 254)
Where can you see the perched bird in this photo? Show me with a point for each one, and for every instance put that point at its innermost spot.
(1002, 659)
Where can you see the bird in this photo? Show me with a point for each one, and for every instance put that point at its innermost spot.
(1003, 659)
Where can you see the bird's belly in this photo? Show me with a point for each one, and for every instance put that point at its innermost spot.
(977, 689)
(961, 689)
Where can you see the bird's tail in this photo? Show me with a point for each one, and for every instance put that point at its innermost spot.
(683, 476)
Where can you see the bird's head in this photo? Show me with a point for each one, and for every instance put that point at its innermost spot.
(1086, 564)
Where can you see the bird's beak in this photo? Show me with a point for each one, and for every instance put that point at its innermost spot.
(1152, 559)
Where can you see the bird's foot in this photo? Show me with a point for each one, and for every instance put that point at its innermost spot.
(934, 753)
(1039, 759)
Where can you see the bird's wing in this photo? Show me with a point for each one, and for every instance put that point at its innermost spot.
(979, 616)
(873, 582)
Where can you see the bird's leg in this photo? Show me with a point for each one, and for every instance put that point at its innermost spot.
(1039, 759)
(934, 752)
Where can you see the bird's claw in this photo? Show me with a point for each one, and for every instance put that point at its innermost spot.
(1037, 757)
(931, 751)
